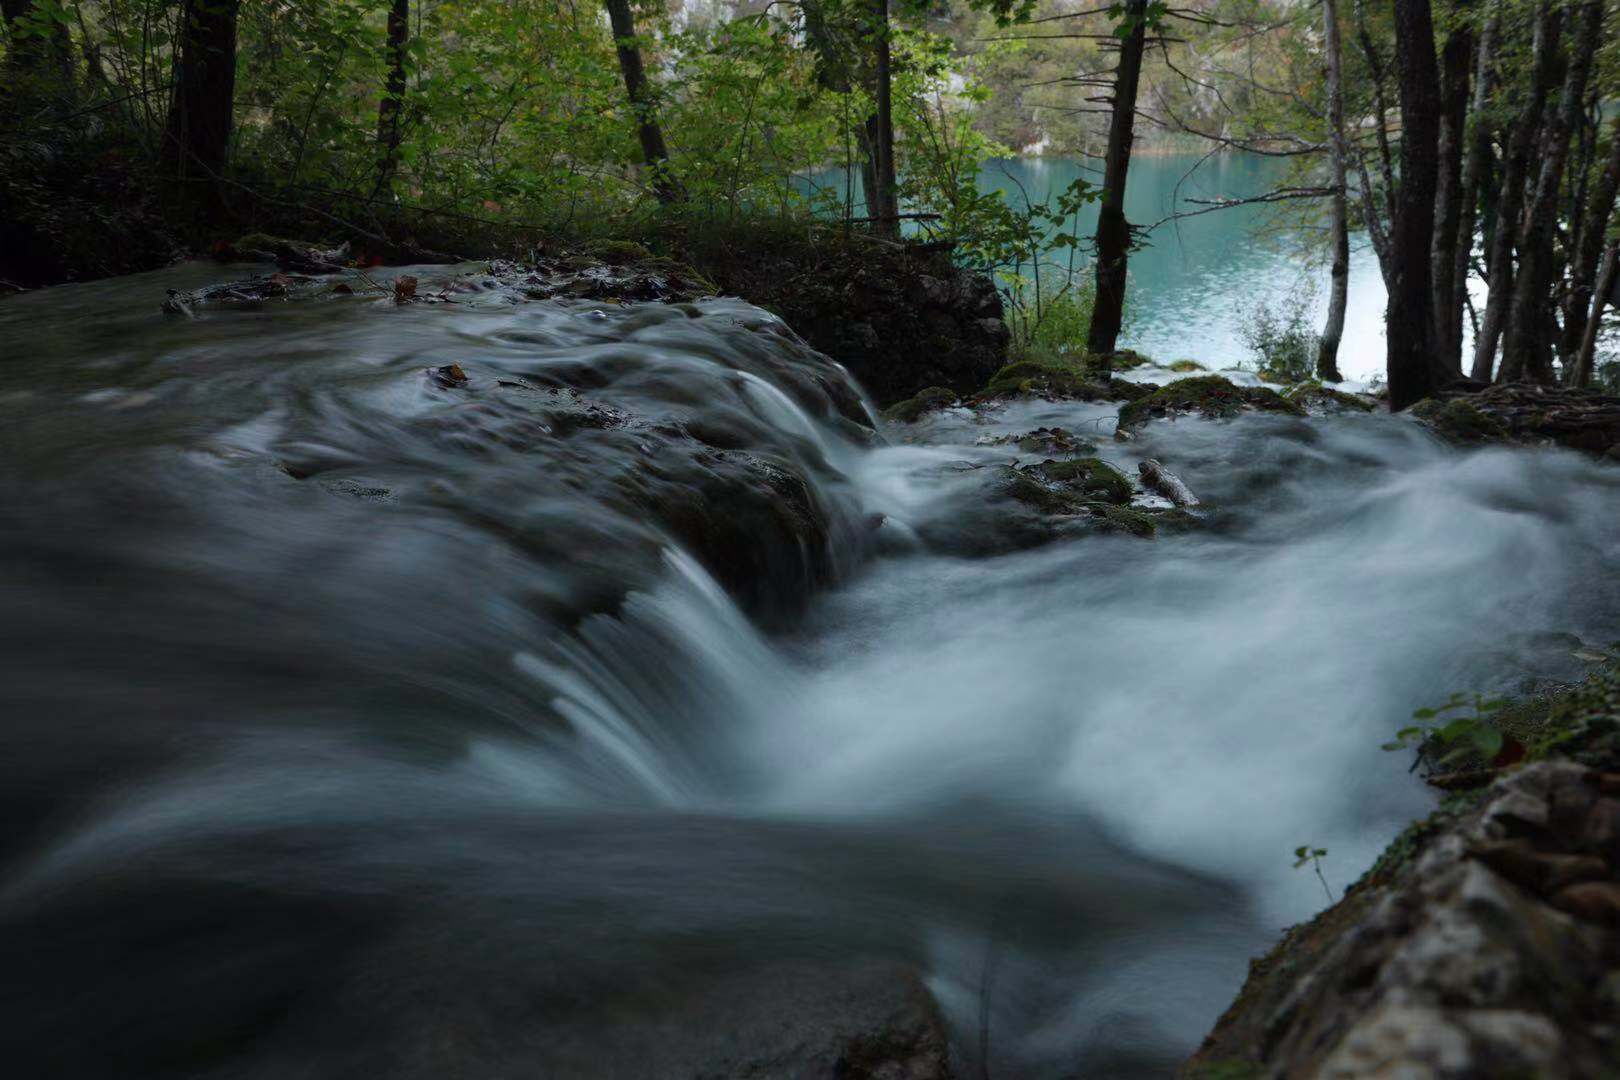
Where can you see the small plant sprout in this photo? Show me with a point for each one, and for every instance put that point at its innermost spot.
(1459, 737)
(1313, 855)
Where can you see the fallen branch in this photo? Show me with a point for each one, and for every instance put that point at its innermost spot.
(1166, 483)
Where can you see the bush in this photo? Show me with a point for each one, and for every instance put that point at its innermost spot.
(1281, 337)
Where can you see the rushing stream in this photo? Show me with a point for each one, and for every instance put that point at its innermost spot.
(362, 720)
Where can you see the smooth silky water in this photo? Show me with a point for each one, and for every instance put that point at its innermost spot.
(352, 727)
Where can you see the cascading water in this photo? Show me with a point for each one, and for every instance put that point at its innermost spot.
(367, 720)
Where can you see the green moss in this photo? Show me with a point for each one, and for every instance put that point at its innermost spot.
(1312, 393)
(1210, 395)
(1187, 365)
(618, 252)
(1114, 518)
(1126, 359)
(1029, 490)
(926, 400)
(1090, 476)
(1459, 420)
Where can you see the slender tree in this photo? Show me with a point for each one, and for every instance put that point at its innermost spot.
(1510, 199)
(1409, 317)
(1113, 230)
(1476, 162)
(1587, 250)
(1327, 352)
(392, 105)
(1456, 63)
(1608, 280)
(666, 188)
(197, 133)
(885, 204)
(1527, 350)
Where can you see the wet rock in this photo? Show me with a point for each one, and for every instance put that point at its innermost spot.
(925, 401)
(1060, 378)
(293, 255)
(1579, 419)
(1046, 441)
(1211, 396)
(1481, 950)
(1327, 400)
(1187, 365)
(1091, 478)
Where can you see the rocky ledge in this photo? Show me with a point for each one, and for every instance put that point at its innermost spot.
(1484, 943)
(1525, 413)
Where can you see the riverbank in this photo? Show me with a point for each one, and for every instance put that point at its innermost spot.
(1484, 942)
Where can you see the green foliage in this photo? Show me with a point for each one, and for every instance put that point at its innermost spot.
(1307, 855)
(1443, 738)
(1281, 338)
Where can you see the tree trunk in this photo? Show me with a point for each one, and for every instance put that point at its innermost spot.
(1608, 278)
(1327, 351)
(1527, 351)
(197, 133)
(884, 203)
(1521, 144)
(393, 99)
(1478, 161)
(1409, 317)
(653, 150)
(1113, 231)
(1456, 58)
(1583, 263)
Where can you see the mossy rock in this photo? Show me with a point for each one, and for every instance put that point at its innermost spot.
(1460, 421)
(1210, 395)
(618, 252)
(1312, 394)
(1126, 359)
(1126, 519)
(1022, 486)
(1059, 377)
(1091, 477)
(925, 401)
(1187, 365)
(1045, 441)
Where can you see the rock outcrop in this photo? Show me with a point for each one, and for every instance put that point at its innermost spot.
(1485, 943)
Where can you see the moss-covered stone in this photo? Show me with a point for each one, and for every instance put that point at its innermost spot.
(1459, 420)
(926, 400)
(1210, 395)
(1114, 518)
(1091, 477)
(1060, 376)
(618, 252)
(1187, 365)
(1048, 442)
(1314, 395)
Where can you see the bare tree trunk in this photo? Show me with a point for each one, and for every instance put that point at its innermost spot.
(197, 134)
(1583, 264)
(1607, 280)
(1456, 58)
(1409, 317)
(393, 99)
(1475, 165)
(1521, 144)
(885, 202)
(1527, 351)
(1113, 231)
(1327, 350)
(653, 150)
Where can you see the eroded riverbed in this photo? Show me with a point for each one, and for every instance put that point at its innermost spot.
(625, 700)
